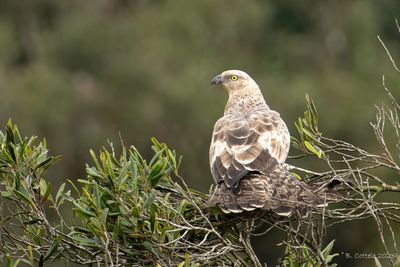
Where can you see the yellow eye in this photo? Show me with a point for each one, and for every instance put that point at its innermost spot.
(234, 77)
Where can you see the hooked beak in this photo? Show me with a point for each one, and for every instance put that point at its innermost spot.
(217, 79)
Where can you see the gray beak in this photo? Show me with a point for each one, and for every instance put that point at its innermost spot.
(217, 79)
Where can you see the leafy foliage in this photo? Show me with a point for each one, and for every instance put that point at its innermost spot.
(127, 211)
(307, 260)
(307, 128)
(354, 178)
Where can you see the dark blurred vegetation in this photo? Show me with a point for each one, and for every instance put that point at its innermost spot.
(82, 72)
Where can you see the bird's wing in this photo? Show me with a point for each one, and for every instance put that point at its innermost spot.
(273, 132)
(243, 143)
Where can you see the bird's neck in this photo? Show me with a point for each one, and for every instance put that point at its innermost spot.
(243, 101)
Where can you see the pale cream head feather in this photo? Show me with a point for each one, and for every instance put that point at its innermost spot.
(234, 81)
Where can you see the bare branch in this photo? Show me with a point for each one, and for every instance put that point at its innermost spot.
(388, 53)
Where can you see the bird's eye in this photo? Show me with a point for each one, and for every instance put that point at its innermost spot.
(234, 77)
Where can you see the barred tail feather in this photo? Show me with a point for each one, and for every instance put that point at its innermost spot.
(279, 192)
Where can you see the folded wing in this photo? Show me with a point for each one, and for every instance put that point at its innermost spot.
(244, 143)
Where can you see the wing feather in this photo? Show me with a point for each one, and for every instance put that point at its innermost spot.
(247, 142)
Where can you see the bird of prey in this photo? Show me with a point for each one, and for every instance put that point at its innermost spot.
(249, 146)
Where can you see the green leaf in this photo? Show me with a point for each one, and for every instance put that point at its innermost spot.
(94, 157)
(96, 223)
(308, 134)
(157, 172)
(8, 157)
(23, 196)
(156, 157)
(313, 113)
(53, 248)
(149, 247)
(81, 229)
(298, 177)
(153, 215)
(300, 129)
(136, 212)
(117, 228)
(33, 221)
(150, 198)
(314, 149)
(10, 262)
(187, 260)
(105, 213)
(60, 193)
(328, 248)
(93, 172)
(172, 157)
(157, 145)
(97, 199)
(45, 163)
(397, 263)
(82, 210)
(45, 190)
(85, 241)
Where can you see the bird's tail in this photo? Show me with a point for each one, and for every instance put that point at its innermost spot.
(279, 192)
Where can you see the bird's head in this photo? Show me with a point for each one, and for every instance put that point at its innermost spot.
(234, 80)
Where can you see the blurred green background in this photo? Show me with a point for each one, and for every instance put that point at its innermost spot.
(82, 72)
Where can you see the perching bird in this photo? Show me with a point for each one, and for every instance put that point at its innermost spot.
(249, 145)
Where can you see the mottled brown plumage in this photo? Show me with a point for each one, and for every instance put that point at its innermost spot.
(248, 147)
